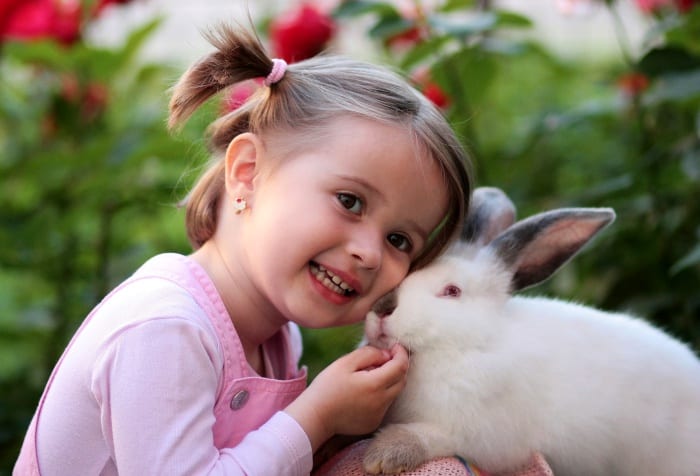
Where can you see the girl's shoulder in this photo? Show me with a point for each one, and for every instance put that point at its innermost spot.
(167, 286)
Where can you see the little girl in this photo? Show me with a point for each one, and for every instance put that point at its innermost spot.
(326, 188)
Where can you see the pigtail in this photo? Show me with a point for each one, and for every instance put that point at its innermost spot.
(239, 56)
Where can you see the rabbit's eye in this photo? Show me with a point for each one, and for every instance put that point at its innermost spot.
(451, 291)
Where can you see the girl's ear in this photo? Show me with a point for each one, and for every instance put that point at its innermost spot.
(242, 163)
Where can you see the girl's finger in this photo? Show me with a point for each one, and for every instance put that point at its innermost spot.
(367, 357)
(394, 371)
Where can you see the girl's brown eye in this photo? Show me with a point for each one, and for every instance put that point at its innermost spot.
(451, 291)
(349, 201)
(400, 242)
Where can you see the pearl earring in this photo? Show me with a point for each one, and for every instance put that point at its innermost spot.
(239, 204)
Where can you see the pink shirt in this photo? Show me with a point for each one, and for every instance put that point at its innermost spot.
(155, 381)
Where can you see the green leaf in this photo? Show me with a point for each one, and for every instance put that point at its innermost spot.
(471, 23)
(43, 52)
(660, 61)
(138, 37)
(512, 19)
(423, 50)
(463, 25)
(353, 8)
(686, 32)
(691, 259)
(387, 27)
(676, 87)
(466, 75)
(452, 5)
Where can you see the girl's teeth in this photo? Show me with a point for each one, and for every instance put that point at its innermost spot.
(331, 281)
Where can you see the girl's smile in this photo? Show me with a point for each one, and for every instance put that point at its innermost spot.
(331, 280)
(335, 222)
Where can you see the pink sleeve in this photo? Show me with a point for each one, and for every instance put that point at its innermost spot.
(156, 383)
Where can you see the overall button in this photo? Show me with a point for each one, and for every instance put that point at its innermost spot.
(239, 399)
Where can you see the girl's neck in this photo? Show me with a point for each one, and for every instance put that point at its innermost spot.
(245, 306)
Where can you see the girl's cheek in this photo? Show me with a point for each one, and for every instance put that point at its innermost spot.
(397, 275)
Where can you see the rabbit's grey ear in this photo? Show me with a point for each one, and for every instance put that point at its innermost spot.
(490, 212)
(534, 248)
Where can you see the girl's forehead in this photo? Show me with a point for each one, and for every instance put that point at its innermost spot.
(385, 156)
(324, 131)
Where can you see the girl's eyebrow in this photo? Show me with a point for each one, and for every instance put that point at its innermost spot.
(365, 184)
(382, 198)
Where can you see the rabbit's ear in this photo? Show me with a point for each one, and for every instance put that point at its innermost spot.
(490, 212)
(534, 248)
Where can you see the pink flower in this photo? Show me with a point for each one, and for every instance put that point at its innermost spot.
(239, 94)
(301, 34)
(38, 19)
(574, 7)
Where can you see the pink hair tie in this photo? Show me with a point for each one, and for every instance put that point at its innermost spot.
(279, 66)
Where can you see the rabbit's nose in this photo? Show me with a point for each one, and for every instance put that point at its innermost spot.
(385, 305)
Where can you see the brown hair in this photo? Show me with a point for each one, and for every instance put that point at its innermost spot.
(311, 93)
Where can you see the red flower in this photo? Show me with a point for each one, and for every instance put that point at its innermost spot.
(238, 94)
(301, 34)
(90, 99)
(632, 84)
(36, 19)
(94, 102)
(429, 88)
(103, 4)
(435, 93)
(652, 6)
(686, 5)
(405, 39)
(7, 8)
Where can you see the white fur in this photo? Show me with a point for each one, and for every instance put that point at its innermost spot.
(494, 378)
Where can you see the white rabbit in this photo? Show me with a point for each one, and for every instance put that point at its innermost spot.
(494, 377)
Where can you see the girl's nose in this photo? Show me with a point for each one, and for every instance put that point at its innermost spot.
(366, 248)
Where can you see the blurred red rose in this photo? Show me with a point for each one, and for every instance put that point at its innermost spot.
(632, 84)
(238, 94)
(430, 89)
(651, 6)
(38, 19)
(416, 31)
(7, 8)
(103, 4)
(435, 93)
(89, 99)
(95, 98)
(301, 34)
(685, 5)
(405, 39)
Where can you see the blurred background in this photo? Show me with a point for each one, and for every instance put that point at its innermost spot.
(561, 103)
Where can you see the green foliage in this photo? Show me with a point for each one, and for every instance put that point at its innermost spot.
(91, 176)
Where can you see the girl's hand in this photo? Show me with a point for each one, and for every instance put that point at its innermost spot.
(352, 394)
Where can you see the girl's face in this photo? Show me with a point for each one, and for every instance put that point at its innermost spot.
(336, 223)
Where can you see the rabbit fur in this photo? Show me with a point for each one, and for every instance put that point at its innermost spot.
(495, 377)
